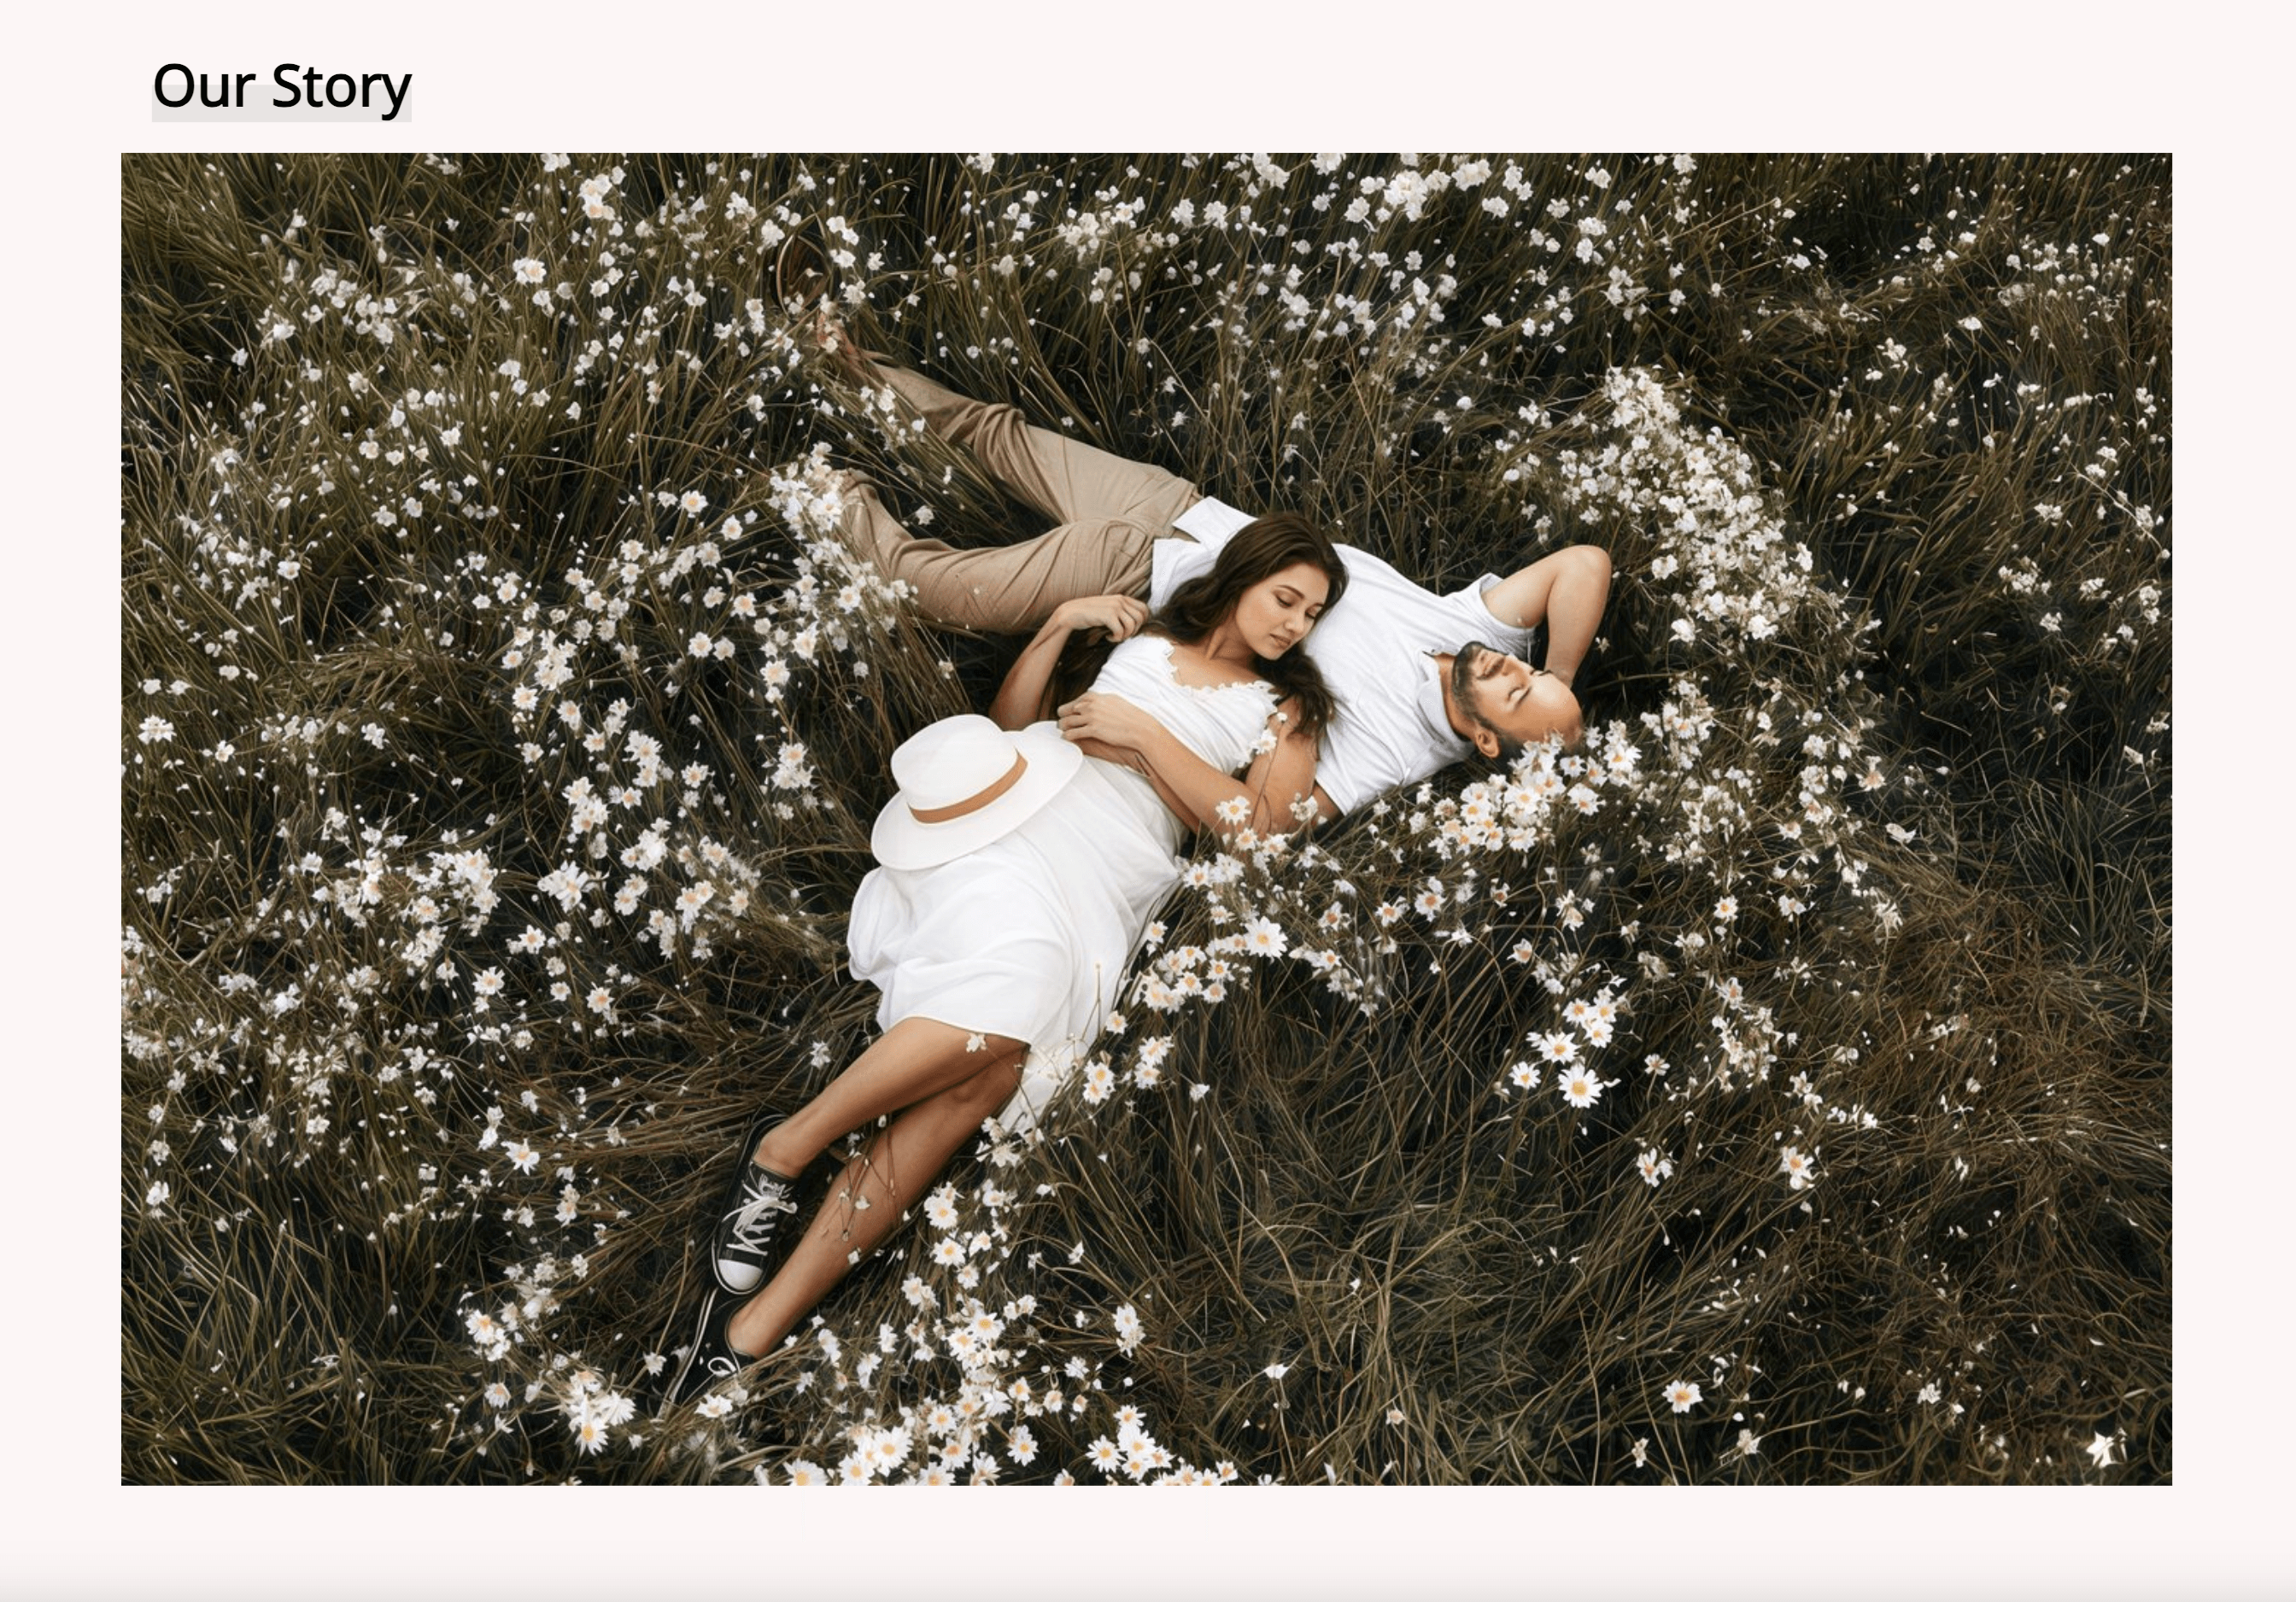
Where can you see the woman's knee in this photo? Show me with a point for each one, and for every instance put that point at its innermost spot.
(988, 1091)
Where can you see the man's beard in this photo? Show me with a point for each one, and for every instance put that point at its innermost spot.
(1462, 676)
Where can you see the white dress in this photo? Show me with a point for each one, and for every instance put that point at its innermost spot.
(1028, 937)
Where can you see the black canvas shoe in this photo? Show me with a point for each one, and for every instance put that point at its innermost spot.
(754, 1229)
(709, 1357)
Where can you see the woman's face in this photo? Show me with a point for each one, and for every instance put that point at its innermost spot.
(1276, 614)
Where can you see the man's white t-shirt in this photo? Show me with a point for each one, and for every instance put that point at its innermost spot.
(1373, 648)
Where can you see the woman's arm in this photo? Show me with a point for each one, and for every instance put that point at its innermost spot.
(1280, 780)
(1025, 695)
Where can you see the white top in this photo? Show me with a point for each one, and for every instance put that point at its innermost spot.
(1374, 650)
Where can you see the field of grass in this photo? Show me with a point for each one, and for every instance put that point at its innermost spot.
(1777, 1092)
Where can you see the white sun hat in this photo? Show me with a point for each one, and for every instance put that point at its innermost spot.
(963, 782)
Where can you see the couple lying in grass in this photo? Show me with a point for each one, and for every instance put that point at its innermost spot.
(1190, 668)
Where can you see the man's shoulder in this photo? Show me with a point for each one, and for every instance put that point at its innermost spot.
(1385, 574)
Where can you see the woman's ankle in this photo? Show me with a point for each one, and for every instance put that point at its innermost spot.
(745, 1343)
(776, 1155)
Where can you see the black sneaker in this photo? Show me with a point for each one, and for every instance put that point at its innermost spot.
(752, 1236)
(709, 1357)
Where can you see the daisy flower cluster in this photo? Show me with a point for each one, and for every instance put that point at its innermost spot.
(1563, 1057)
(975, 1384)
(646, 824)
(1699, 498)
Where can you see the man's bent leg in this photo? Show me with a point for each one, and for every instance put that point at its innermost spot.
(1064, 478)
(1000, 589)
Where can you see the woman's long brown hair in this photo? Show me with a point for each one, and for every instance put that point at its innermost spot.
(1260, 549)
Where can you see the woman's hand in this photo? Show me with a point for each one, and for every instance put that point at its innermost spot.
(1109, 719)
(1026, 691)
(1119, 617)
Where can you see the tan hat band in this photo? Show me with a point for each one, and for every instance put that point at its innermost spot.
(975, 802)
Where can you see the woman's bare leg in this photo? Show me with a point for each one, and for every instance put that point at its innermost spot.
(869, 1197)
(911, 1062)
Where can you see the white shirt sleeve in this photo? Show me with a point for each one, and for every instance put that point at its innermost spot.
(1212, 521)
(1209, 524)
(1516, 641)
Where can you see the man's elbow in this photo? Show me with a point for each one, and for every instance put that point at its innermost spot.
(1590, 565)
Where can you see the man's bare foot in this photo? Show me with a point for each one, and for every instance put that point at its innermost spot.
(801, 277)
(826, 333)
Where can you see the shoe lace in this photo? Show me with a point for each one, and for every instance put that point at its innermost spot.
(753, 1221)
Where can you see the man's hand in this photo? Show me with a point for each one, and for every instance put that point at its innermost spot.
(1119, 617)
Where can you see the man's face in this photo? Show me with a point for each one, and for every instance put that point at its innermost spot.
(1505, 697)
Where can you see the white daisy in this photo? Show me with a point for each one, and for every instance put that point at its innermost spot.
(1579, 1088)
(1265, 937)
(1798, 1167)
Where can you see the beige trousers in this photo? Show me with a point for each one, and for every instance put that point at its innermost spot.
(1110, 513)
